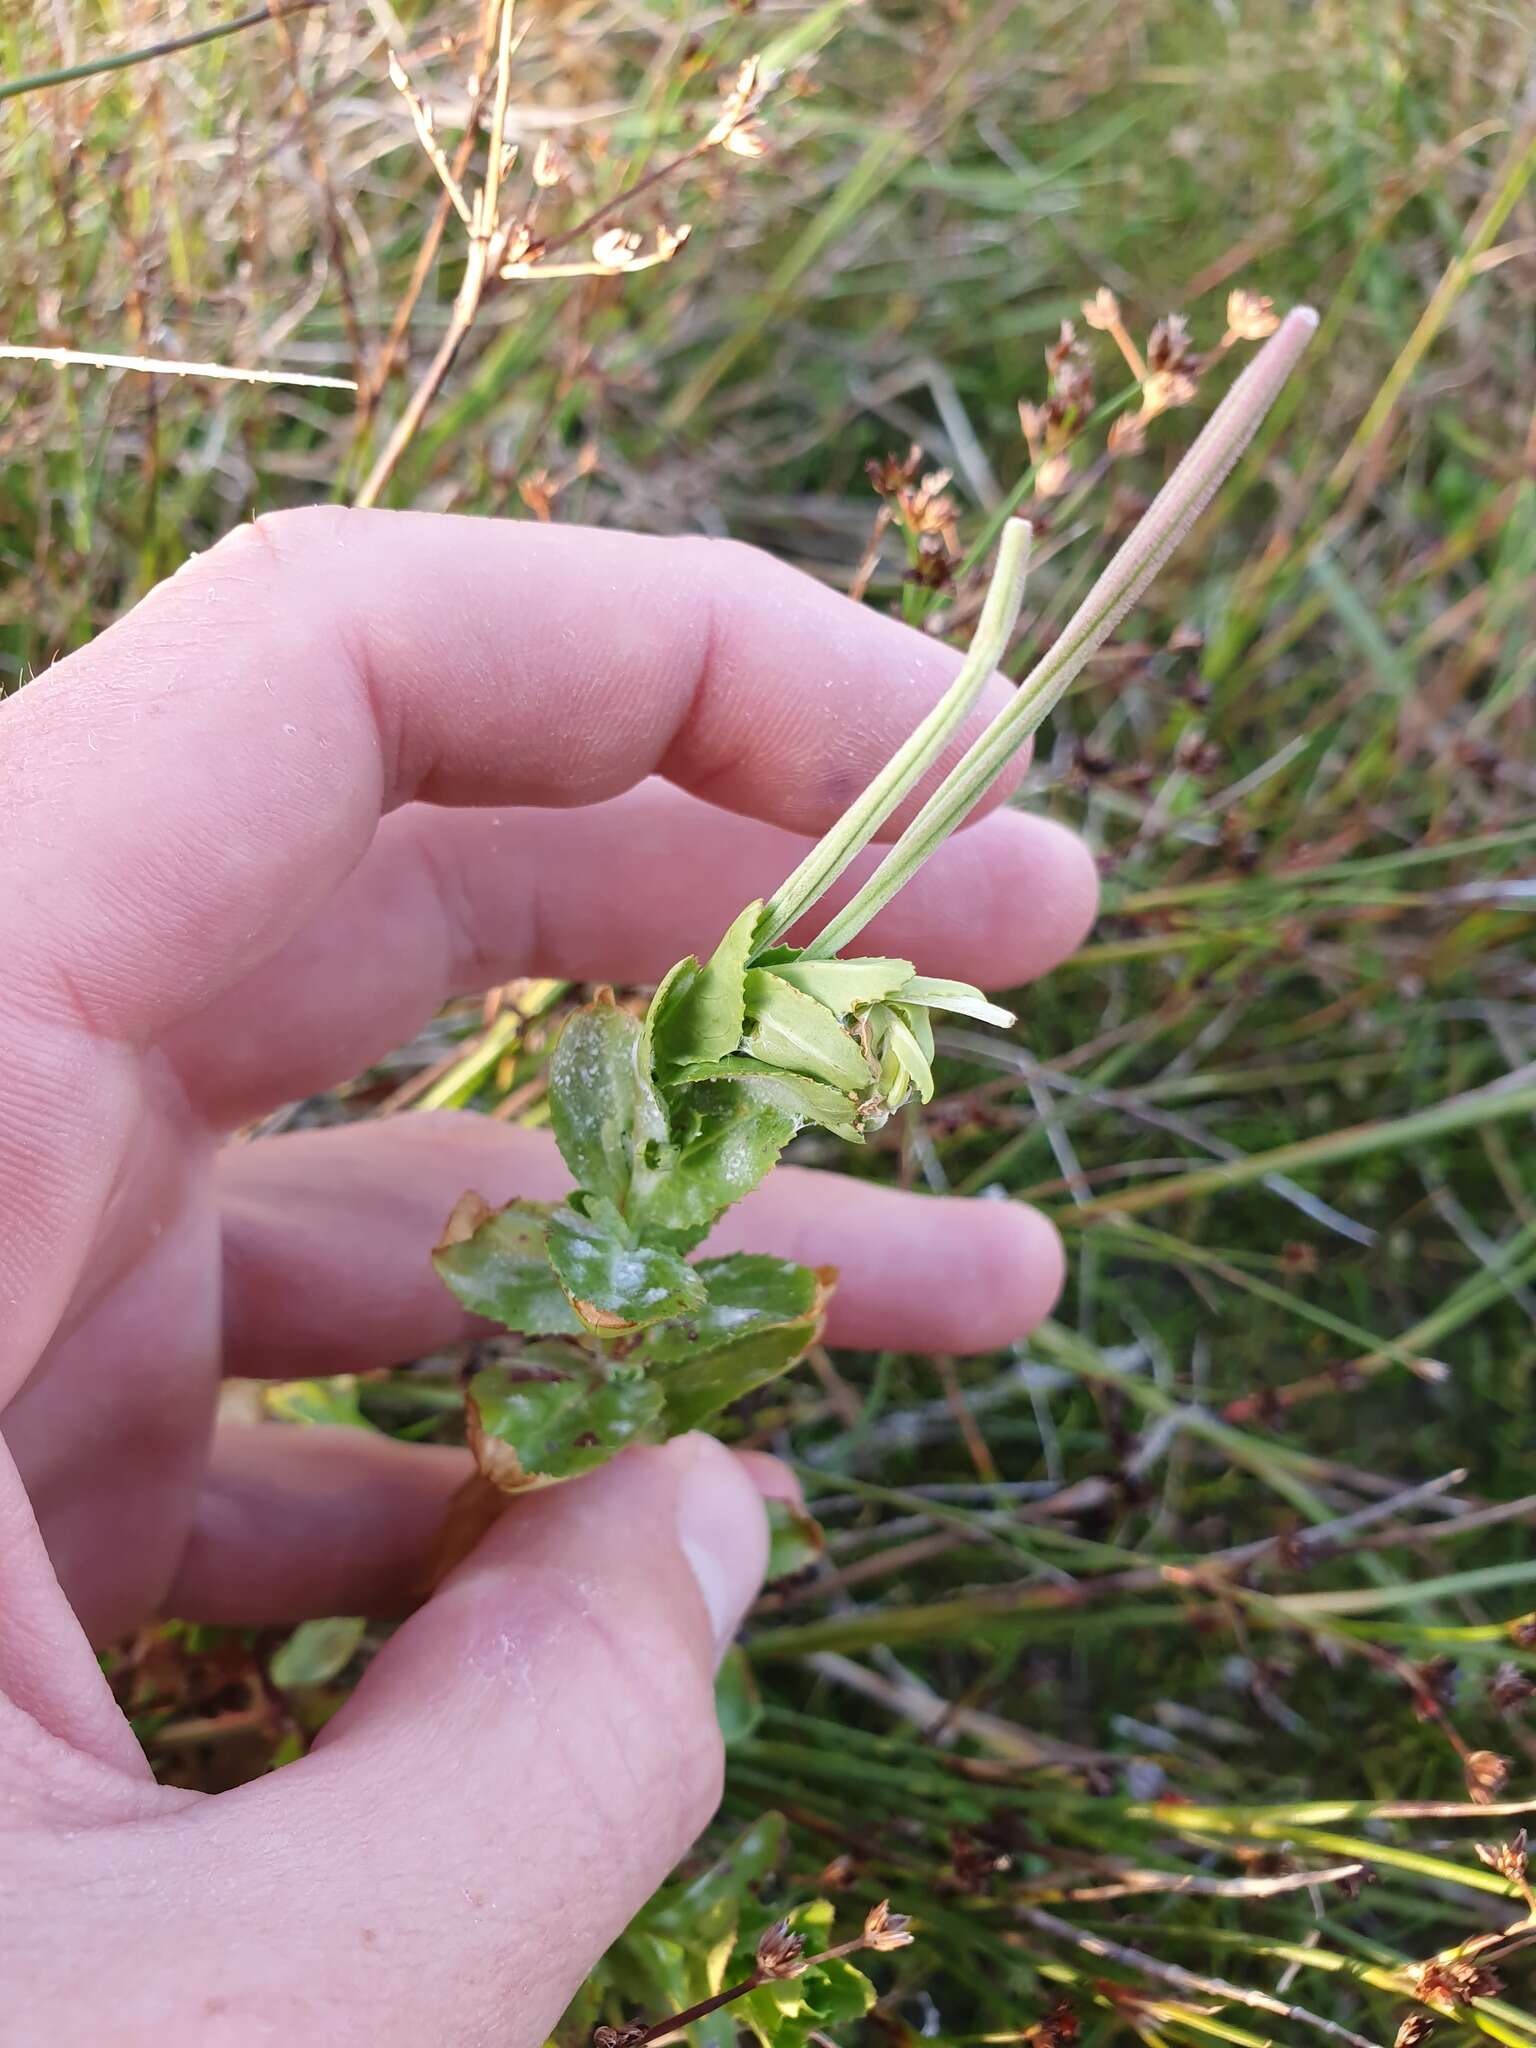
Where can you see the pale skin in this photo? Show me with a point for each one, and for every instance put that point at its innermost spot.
(341, 768)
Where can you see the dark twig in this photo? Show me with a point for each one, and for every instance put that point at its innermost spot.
(122, 60)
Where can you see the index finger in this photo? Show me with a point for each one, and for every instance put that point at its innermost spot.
(179, 797)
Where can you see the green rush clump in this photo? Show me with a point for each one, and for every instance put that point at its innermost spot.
(668, 1119)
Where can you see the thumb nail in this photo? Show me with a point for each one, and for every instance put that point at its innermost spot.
(722, 1530)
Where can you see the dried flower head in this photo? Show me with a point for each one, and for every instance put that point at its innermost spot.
(889, 474)
(1509, 1688)
(884, 1929)
(1250, 317)
(747, 138)
(1127, 434)
(1507, 1858)
(1417, 2027)
(973, 1863)
(1168, 345)
(1164, 389)
(616, 248)
(670, 240)
(1061, 348)
(1057, 2028)
(1052, 474)
(550, 164)
(1522, 1632)
(1434, 1687)
(1487, 1775)
(780, 1953)
(1102, 311)
(739, 102)
(618, 2037)
(1453, 1980)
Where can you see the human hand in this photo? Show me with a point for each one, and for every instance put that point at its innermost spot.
(205, 918)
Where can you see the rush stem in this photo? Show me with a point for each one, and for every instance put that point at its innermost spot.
(1169, 517)
(911, 762)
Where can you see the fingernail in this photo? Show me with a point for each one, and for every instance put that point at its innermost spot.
(722, 1530)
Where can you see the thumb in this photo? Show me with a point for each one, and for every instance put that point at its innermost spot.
(520, 1767)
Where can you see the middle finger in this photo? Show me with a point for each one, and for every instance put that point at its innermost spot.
(450, 902)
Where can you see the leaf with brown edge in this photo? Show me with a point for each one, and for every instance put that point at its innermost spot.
(495, 1262)
(613, 1284)
(762, 1315)
(531, 1432)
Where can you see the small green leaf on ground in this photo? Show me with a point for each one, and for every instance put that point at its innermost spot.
(796, 1541)
(738, 1702)
(317, 1651)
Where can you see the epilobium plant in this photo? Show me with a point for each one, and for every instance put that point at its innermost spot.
(668, 1119)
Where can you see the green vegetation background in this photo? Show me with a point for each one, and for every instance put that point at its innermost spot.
(1281, 1103)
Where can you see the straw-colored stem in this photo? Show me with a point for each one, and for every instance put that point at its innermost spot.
(1174, 510)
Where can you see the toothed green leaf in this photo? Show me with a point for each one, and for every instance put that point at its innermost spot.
(761, 1315)
(792, 1031)
(601, 1103)
(842, 985)
(699, 1015)
(738, 1703)
(726, 1140)
(530, 1432)
(501, 1270)
(807, 1101)
(614, 1285)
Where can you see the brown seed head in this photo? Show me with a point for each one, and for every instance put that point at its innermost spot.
(1058, 2029)
(1052, 475)
(1417, 2027)
(1487, 1775)
(1507, 1858)
(1509, 1688)
(884, 1929)
(1453, 1980)
(1434, 1687)
(1168, 345)
(780, 1953)
(1061, 348)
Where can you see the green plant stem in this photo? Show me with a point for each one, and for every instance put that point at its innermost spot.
(12, 88)
(1174, 510)
(907, 766)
